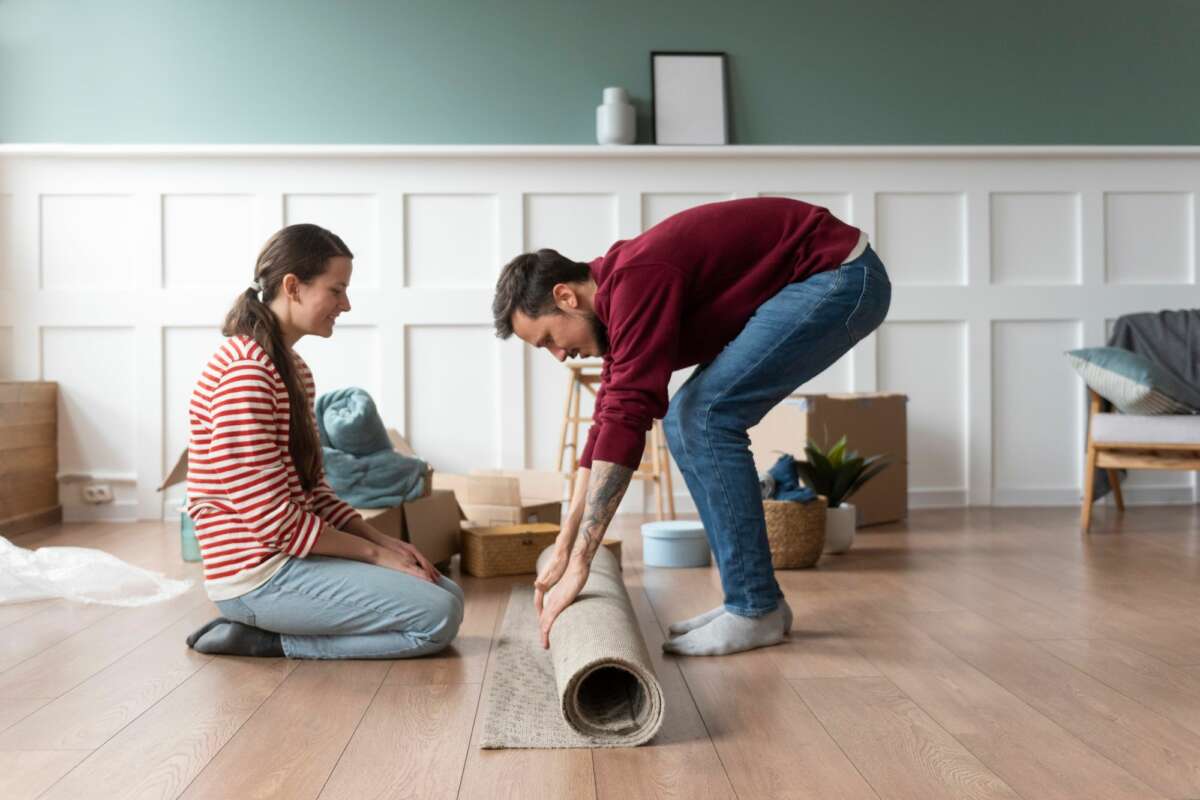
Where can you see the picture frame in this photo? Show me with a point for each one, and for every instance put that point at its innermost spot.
(689, 98)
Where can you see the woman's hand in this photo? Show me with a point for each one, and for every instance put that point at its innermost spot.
(408, 550)
(401, 562)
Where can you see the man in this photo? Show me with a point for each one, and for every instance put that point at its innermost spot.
(763, 294)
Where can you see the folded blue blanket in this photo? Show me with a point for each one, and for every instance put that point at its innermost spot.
(784, 484)
(348, 421)
(360, 463)
(378, 480)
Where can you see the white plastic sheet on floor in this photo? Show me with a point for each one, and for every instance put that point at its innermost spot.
(81, 574)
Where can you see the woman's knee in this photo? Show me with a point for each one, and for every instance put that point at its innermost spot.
(445, 615)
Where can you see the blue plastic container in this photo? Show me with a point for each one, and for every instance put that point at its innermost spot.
(189, 548)
(675, 543)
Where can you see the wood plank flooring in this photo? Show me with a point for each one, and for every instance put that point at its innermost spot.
(990, 653)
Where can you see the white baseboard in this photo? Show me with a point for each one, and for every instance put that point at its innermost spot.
(937, 498)
(119, 511)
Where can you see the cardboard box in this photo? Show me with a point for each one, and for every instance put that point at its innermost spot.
(498, 497)
(872, 423)
(431, 522)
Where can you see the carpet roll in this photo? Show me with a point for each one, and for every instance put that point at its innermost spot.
(594, 687)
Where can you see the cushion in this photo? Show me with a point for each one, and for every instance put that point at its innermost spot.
(1132, 383)
(1169, 429)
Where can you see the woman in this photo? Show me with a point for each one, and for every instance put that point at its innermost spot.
(294, 570)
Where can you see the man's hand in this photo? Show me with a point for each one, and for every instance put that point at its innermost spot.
(558, 586)
(562, 595)
(552, 572)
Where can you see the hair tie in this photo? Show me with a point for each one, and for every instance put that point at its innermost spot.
(256, 287)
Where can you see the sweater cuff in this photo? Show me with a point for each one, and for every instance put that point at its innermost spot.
(341, 514)
(618, 444)
(306, 537)
(585, 460)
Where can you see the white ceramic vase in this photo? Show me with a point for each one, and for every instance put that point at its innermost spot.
(840, 523)
(616, 122)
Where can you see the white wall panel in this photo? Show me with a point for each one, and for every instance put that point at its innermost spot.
(452, 241)
(353, 217)
(580, 226)
(208, 240)
(1037, 412)
(928, 362)
(452, 391)
(1035, 238)
(88, 241)
(1149, 237)
(923, 236)
(96, 371)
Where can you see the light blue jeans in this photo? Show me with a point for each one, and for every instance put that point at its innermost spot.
(337, 608)
(791, 338)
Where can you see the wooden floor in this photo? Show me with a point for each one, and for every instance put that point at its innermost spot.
(980, 654)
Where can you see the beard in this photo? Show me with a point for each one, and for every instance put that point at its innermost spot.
(599, 331)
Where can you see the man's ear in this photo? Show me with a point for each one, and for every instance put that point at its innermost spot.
(565, 296)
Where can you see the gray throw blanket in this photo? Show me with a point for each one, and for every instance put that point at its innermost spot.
(1170, 339)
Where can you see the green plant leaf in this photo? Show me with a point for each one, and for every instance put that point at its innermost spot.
(837, 453)
(865, 476)
(818, 460)
(815, 479)
(842, 482)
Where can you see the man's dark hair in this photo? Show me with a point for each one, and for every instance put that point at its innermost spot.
(527, 283)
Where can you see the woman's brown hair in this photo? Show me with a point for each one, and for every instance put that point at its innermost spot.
(303, 251)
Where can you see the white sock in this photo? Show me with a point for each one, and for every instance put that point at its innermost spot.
(679, 628)
(729, 633)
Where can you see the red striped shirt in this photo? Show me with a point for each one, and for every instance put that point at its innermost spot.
(244, 493)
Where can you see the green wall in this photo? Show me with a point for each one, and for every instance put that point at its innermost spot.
(531, 72)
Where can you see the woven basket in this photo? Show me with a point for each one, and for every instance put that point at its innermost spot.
(511, 549)
(795, 531)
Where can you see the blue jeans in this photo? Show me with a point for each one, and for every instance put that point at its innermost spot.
(337, 608)
(791, 338)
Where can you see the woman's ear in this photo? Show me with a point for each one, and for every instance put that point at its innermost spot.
(291, 287)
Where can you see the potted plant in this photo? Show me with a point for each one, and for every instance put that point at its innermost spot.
(837, 474)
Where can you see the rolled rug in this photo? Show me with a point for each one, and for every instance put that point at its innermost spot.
(594, 687)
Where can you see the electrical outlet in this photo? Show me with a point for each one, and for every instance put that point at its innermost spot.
(97, 493)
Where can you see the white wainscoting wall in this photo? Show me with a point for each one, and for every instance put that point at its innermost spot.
(118, 264)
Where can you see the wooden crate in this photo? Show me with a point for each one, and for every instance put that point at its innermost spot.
(28, 456)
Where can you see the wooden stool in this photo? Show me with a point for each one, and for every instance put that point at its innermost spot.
(656, 460)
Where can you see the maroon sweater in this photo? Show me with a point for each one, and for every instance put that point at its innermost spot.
(680, 292)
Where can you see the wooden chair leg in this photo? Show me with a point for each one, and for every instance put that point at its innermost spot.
(1114, 480)
(1089, 488)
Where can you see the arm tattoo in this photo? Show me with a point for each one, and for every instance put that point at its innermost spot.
(605, 490)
